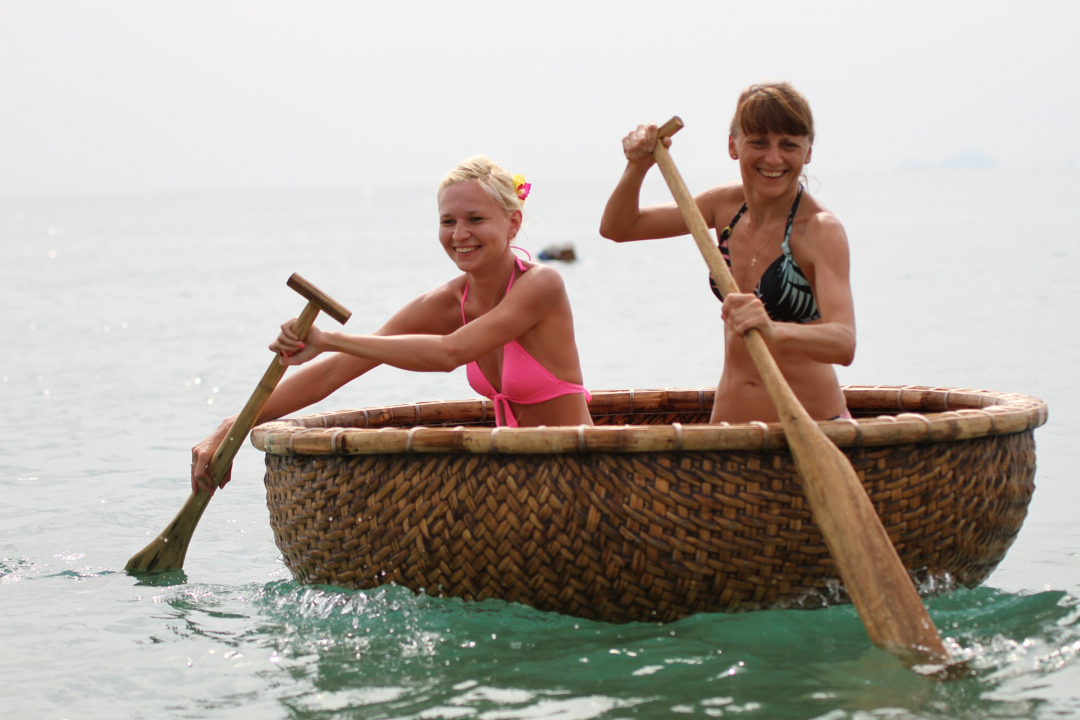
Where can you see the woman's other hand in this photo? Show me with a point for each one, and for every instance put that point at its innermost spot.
(638, 146)
(203, 453)
(744, 311)
(291, 350)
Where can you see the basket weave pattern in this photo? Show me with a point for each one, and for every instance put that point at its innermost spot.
(625, 536)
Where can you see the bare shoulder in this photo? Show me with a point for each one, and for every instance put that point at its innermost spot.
(732, 191)
(821, 243)
(822, 229)
(542, 279)
(437, 311)
(540, 288)
(826, 230)
(724, 200)
(724, 194)
(449, 292)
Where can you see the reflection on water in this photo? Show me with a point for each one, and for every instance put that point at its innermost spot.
(161, 579)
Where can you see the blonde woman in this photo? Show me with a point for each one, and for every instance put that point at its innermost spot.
(787, 252)
(508, 320)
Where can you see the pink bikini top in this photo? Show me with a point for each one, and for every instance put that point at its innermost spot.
(524, 380)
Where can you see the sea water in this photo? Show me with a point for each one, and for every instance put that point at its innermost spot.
(135, 324)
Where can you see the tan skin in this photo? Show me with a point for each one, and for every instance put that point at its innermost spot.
(427, 335)
(770, 165)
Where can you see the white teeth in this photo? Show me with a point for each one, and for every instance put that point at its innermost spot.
(768, 174)
(464, 250)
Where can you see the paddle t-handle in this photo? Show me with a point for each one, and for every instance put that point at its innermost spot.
(168, 550)
(317, 300)
(880, 587)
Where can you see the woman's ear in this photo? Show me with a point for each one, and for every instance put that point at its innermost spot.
(515, 223)
(808, 153)
(732, 151)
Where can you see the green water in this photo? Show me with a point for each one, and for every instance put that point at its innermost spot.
(276, 649)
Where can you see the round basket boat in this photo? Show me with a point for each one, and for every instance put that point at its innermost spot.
(652, 514)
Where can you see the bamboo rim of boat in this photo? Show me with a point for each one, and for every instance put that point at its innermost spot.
(912, 414)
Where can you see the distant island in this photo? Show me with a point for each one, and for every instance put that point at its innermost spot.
(967, 160)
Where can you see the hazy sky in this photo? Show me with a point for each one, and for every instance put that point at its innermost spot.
(106, 97)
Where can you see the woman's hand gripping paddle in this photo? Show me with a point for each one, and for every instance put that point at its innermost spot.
(167, 550)
(873, 574)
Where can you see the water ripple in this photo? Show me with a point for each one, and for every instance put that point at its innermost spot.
(325, 652)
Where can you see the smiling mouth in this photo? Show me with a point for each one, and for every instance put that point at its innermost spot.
(772, 173)
(466, 250)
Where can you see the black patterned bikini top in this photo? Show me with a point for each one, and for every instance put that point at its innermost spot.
(783, 288)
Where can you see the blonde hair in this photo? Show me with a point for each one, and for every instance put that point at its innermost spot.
(495, 181)
(772, 107)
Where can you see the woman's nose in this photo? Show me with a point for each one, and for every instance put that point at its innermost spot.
(460, 231)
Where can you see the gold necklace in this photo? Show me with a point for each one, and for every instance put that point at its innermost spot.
(753, 261)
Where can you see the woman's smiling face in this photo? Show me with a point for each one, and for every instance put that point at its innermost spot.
(771, 162)
(473, 228)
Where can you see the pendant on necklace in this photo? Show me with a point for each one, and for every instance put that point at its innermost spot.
(753, 262)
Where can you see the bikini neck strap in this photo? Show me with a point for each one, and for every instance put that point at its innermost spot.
(520, 266)
(519, 263)
(785, 246)
(726, 232)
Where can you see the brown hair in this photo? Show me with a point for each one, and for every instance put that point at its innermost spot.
(495, 181)
(772, 107)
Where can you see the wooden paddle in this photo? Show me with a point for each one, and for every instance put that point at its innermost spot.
(167, 550)
(869, 565)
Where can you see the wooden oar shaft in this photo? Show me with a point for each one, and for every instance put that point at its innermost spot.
(873, 574)
(168, 550)
(247, 418)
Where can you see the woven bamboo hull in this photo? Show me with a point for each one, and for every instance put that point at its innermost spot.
(637, 534)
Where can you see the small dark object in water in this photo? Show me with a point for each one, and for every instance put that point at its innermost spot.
(564, 252)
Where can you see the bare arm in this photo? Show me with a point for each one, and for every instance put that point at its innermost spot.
(624, 219)
(826, 261)
(297, 390)
(316, 381)
(534, 295)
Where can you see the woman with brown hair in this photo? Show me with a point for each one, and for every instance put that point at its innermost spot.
(777, 239)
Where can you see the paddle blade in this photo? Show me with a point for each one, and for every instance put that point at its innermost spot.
(880, 587)
(168, 550)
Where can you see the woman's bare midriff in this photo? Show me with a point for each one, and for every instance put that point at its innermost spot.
(741, 395)
(563, 410)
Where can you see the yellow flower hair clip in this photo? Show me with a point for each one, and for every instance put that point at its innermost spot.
(521, 188)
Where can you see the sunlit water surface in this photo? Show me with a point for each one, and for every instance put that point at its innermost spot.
(136, 324)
